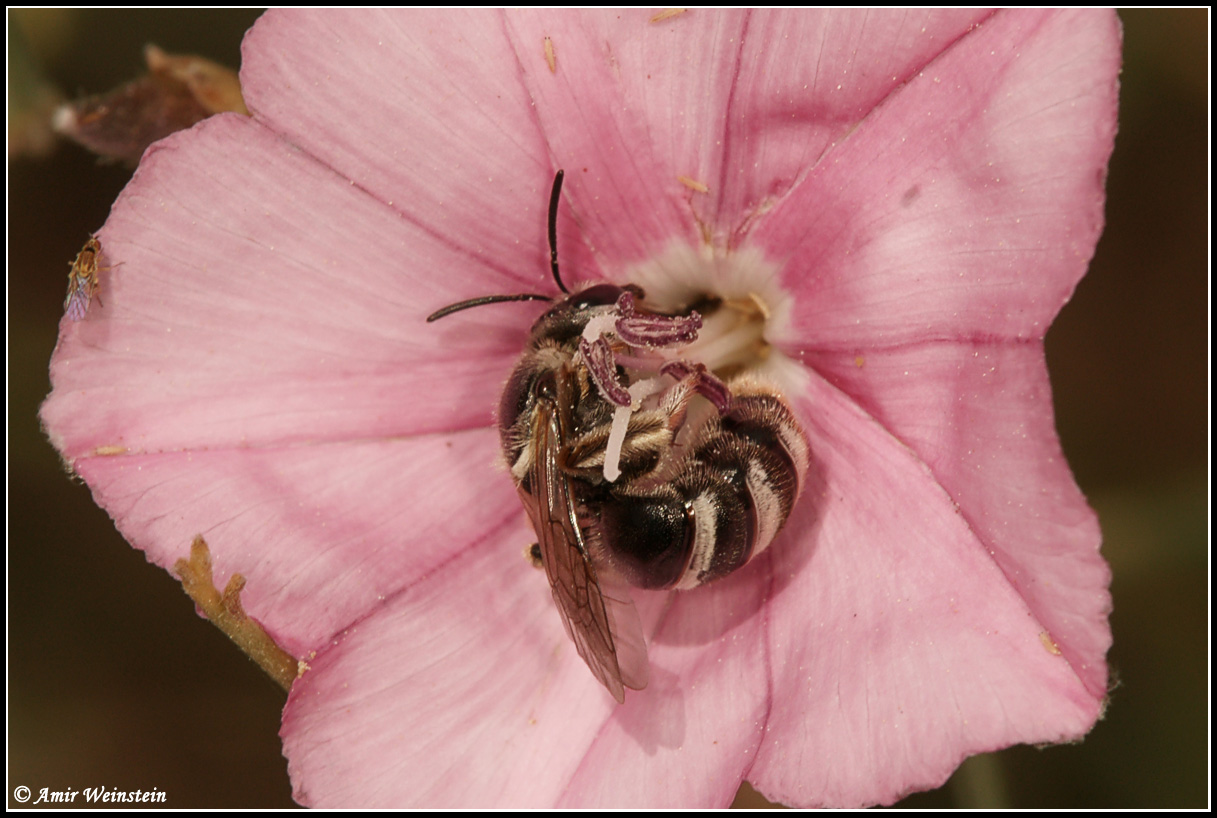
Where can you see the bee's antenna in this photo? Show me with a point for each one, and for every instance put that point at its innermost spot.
(486, 299)
(553, 229)
(553, 265)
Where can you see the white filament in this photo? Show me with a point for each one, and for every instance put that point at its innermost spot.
(616, 440)
(639, 391)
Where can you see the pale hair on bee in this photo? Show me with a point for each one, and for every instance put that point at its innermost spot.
(636, 467)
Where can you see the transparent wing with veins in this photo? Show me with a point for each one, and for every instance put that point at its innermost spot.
(599, 615)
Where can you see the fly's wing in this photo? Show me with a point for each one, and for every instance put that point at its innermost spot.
(600, 619)
(79, 295)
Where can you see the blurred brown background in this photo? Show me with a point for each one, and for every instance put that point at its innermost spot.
(113, 680)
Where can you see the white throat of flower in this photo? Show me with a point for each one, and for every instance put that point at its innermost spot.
(735, 338)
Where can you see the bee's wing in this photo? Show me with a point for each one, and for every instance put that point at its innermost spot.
(600, 618)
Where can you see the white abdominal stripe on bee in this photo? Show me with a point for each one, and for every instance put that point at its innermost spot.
(637, 466)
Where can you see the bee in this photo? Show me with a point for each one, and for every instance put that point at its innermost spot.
(636, 468)
(82, 280)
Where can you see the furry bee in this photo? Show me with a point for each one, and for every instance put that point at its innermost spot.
(636, 467)
(82, 280)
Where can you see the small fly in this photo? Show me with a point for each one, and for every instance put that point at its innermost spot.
(82, 280)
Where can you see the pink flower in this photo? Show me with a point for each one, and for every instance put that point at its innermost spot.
(915, 195)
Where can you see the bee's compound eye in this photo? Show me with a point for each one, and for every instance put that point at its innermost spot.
(599, 295)
(515, 396)
(527, 381)
(649, 539)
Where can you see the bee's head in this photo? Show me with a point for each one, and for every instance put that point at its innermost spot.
(566, 319)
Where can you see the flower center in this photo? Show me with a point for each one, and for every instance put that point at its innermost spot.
(732, 337)
(743, 308)
(706, 321)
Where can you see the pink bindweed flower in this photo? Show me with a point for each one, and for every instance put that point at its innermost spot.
(910, 196)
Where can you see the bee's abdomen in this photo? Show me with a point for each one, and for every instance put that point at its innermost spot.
(726, 505)
(647, 538)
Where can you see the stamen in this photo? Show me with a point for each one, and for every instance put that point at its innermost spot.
(728, 338)
(616, 441)
(639, 391)
(598, 356)
(654, 330)
(645, 345)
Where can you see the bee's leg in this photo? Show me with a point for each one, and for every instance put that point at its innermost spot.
(692, 379)
(532, 553)
(648, 434)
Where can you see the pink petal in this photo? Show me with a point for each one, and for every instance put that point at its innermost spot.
(979, 417)
(981, 182)
(626, 90)
(425, 112)
(237, 328)
(803, 82)
(898, 644)
(323, 533)
(687, 740)
(599, 125)
(421, 703)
